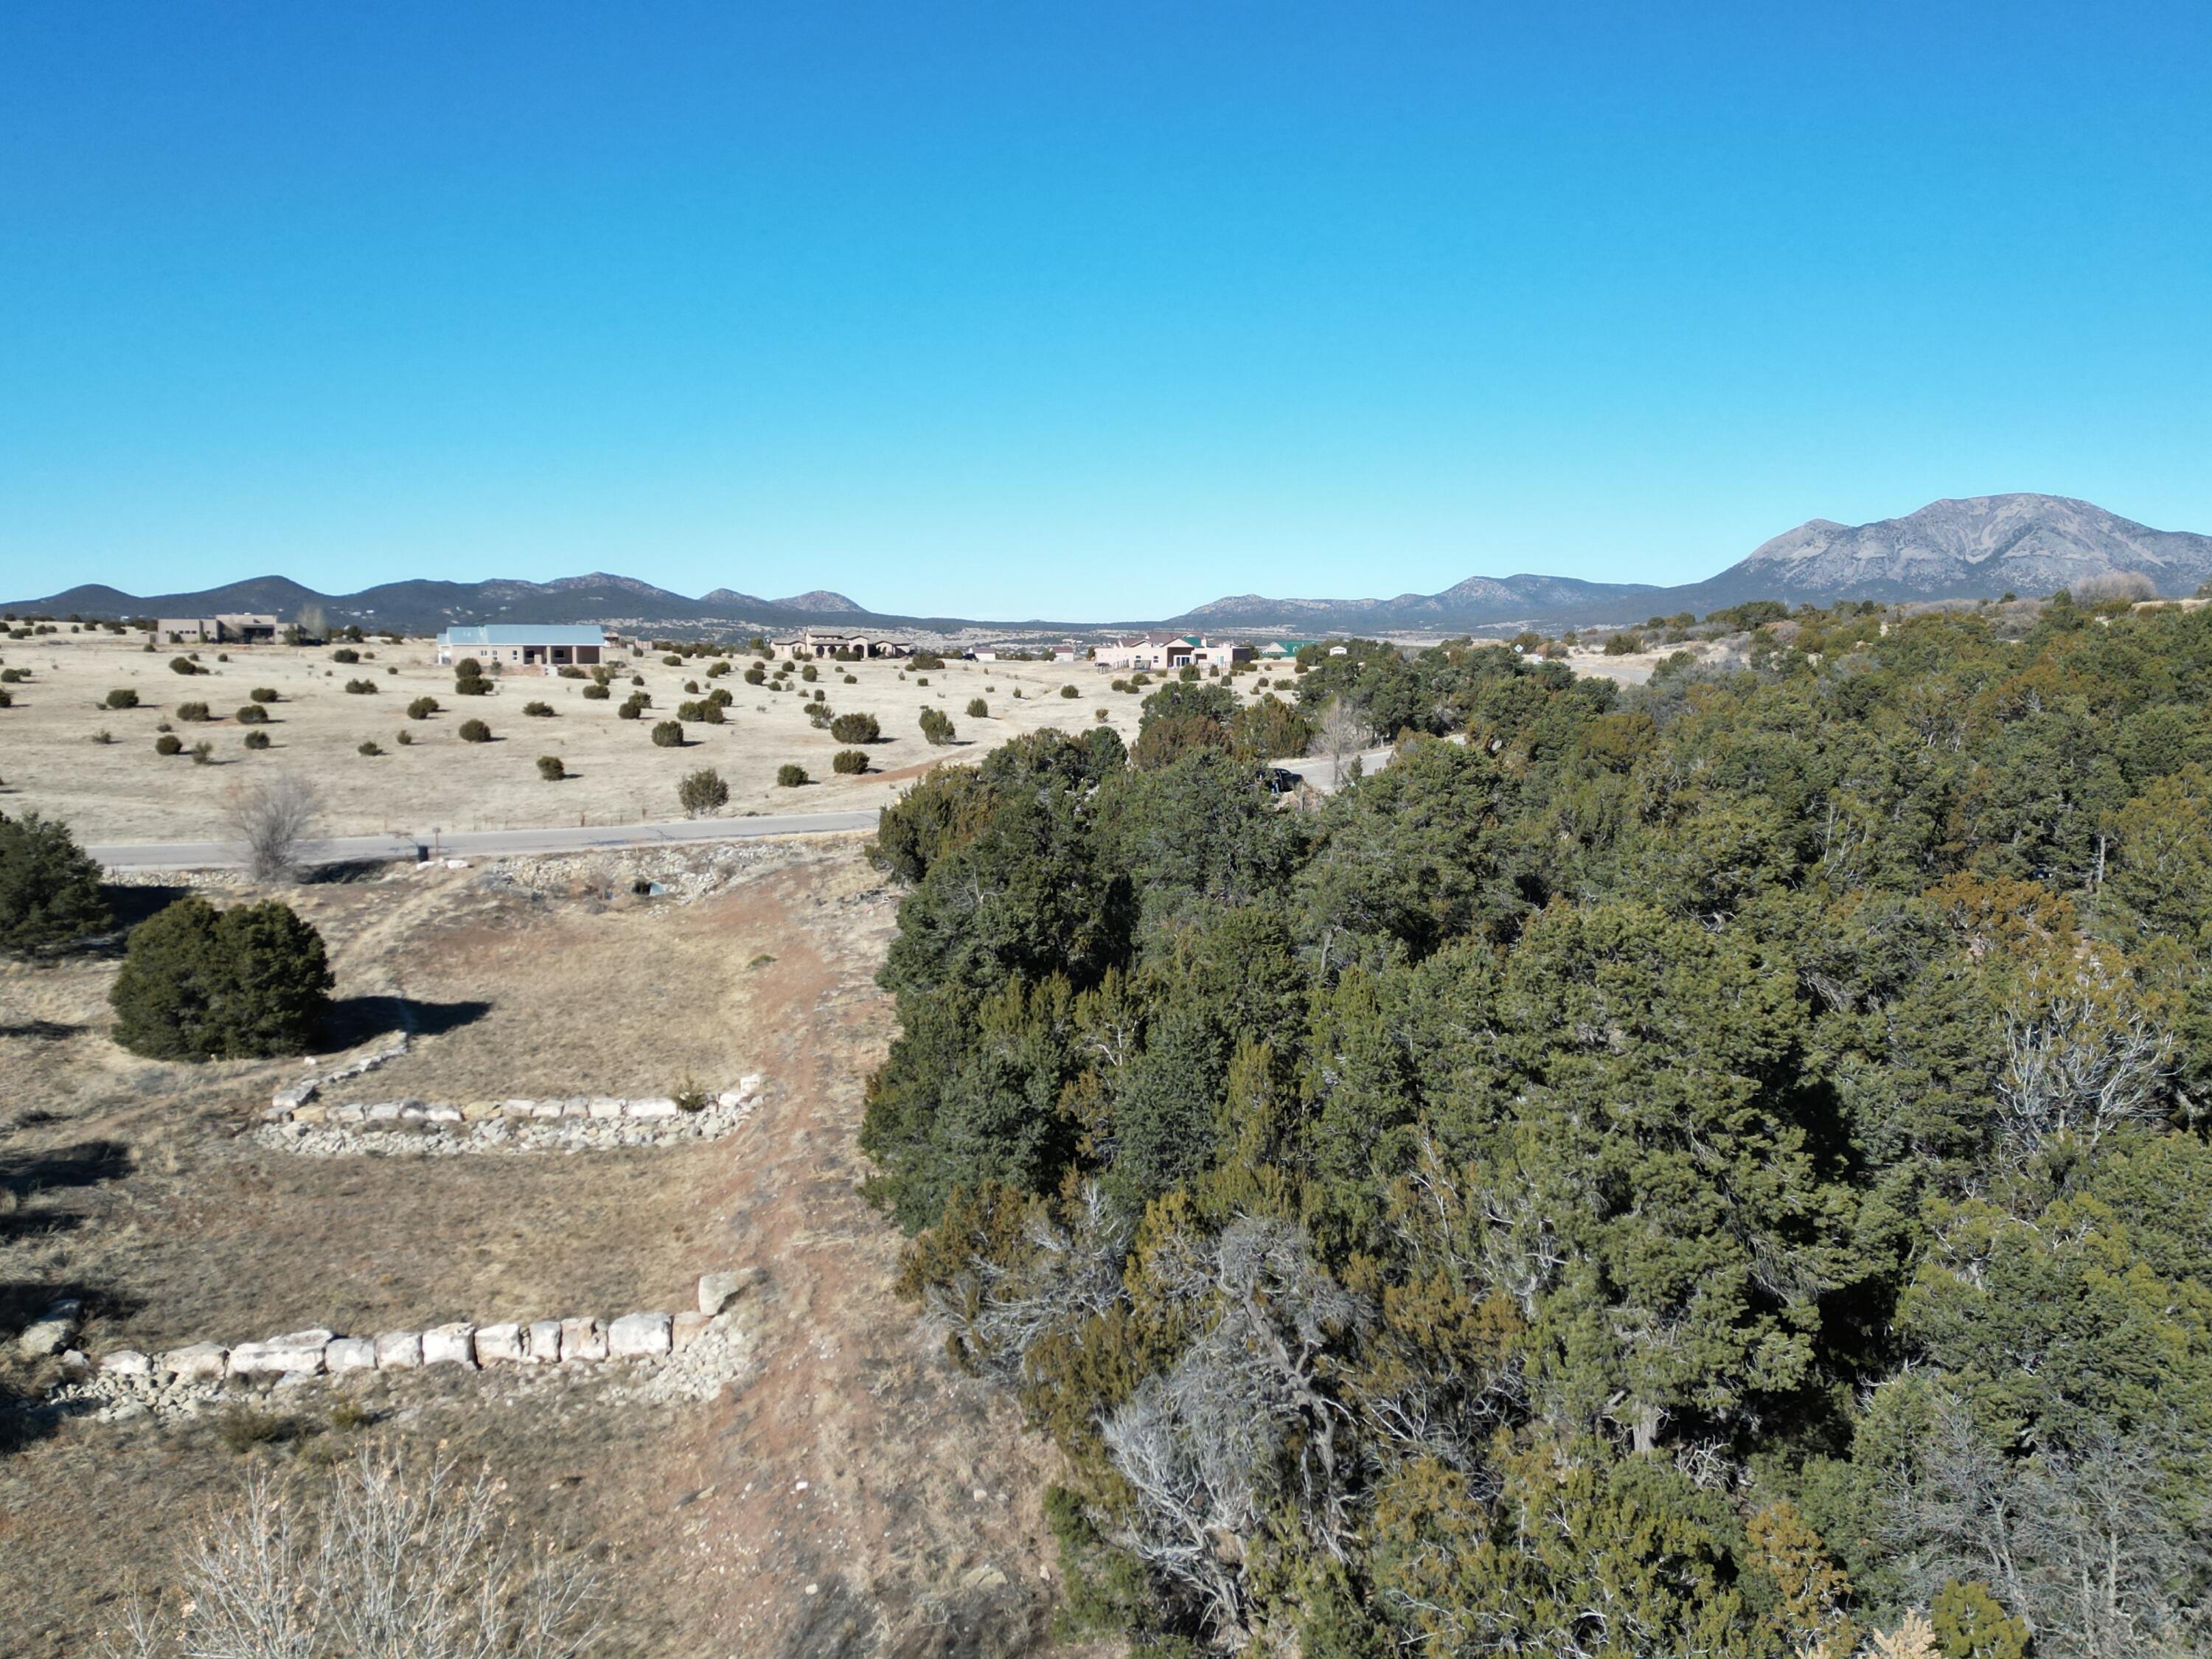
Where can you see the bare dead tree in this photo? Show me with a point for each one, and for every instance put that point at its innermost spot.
(2086, 1542)
(1342, 731)
(1248, 1416)
(1002, 1312)
(2081, 1059)
(389, 1562)
(272, 817)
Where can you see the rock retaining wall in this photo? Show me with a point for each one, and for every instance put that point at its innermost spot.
(696, 1347)
(574, 1123)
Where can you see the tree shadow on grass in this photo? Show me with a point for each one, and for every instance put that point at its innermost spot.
(354, 1020)
(133, 905)
(344, 872)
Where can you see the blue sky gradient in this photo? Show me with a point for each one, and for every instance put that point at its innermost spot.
(1082, 310)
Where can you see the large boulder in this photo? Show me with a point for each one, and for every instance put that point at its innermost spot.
(583, 1338)
(127, 1362)
(199, 1362)
(718, 1290)
(295, 1353)
(639, 1336)
(500, 1344)
(541, 1342)
(399, 1351)
(51, 1331)
(349, 1353)
(449, 1344)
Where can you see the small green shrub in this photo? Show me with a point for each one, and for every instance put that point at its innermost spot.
(668, 734)
(242, 1429)
(790, 775)
(978, 709)
(936, 726)
(103, 736)
(819, 716)
(474, 732)
(810, 673)
(169, 743)
(1101, 715)
(850, 762)
(253, 713)
(362, 688)
(551, 768)
(852, 679)
(855, 728)
(569, 672)
(263, 694)
(671, 661)
(597, 692)
(194, 712)
(257, 739)
(404, 737)
(202, 752)
(422, 708)
(122, 697)
(345, 653)
(702, 792)
(537, 710)
(755, 676)
(184, 665)
(690, 1096)
(1069, 691)
(370, 746)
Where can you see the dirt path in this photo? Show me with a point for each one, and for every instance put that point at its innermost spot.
(866, 1497)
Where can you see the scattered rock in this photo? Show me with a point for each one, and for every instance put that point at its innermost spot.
(127, 1362)
(197, 1362)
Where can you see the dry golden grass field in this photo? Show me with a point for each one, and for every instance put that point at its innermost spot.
(849, 1493)
(52, 760)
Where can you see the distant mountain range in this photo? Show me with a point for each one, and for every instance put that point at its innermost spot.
(1977, 548)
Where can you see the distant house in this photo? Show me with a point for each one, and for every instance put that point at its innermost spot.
(1281, 650)
(547, 647)
(231, 628)
(830, 642)
(1172, 651)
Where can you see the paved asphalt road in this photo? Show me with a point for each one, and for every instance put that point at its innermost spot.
(486, 843)
(493, 843)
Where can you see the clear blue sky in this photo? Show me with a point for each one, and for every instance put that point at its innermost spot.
(1082, 310)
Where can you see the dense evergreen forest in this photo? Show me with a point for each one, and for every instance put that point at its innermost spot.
(1711, 1169)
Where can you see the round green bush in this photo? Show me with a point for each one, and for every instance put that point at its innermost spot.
(362, 688)
(849, 760)
(200, 984)
(257, 739)
(370, 746)
(542, 711)
(422, 708)
(192, 711)
(263, 694)
(551, 768)
(345, 653)
(632, 707)
(668, 734)
(810, 673)
(702, 792)
(597, 692)
(183, 666)
(474, 732)
(253, 713)
(936, 726)
(1069, 691)
(790, 777)
(855, 728)
(50, 887)
(122, 697)
(978, 709)
(169, 743)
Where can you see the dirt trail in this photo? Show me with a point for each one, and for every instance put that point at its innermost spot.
(865, 1498)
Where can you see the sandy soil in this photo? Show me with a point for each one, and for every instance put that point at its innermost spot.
(123, 791)
(852, 1494)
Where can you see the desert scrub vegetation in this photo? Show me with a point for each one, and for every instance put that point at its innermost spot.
(668, 734)
(374, 1558)
(251, 713)
(50, 889)
(978, 709)
(263, 694)
(121, 697)
(937, 726)
(200, 984)
(791, 776)
(849, 763)
(169, 743)
(538, 709)
(469, 679)
(422, 708)
(1071, 691)
(184, 666)
(369, 748)
(855, 728)
(272, 818)
(193, 712)
(1646, 1155)
(345, 653)
(474, 730)
(257, 740)
(361, 688)
(597, 691)
(552, 768)
(702, 793)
